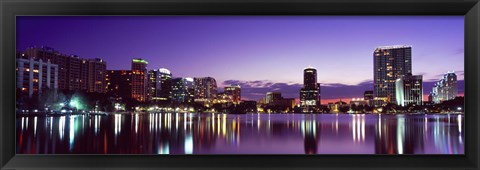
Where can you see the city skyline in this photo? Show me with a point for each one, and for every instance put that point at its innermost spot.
(345, 83)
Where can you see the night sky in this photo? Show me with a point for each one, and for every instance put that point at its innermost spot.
(261, 53)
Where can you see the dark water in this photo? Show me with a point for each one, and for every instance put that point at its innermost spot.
(170, 133)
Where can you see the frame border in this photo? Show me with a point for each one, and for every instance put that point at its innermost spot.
(12, 8)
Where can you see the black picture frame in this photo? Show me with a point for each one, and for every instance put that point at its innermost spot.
(11, 8)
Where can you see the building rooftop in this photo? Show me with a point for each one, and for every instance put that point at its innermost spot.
(392, 47)
(140, 61)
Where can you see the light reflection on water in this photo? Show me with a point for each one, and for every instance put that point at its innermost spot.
(193, 133)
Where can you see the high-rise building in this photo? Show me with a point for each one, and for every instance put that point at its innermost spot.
(389, 64)
(182, 90)
(96, 79)
(74, 73)
(36, 76)
(446, 88)
(409, 90)
(273, 96)
(205, 88)
(310, 93)
(160, 85)
(234, 90)
(139, 80)
(119, 83)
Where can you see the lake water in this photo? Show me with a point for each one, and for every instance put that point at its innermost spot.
(208, 133)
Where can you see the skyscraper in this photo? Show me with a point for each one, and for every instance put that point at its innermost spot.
(96, 78)
(389, 64)
(446, 88)
(182, 90)
(409, 90)
(310, 93)
(205, 88)
(160, 85)
(139, 80)
(235, 91)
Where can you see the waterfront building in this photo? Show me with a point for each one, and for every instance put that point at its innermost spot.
(160, 85)
(310, 93)
(446, 88)
(390, 63)
(182, 90)
(273, 96)
(222, 97)
(36, 76)
(234, 91)
(74, 73)
(139, 80)
(119, 83)
(358, 102)
(96, 76)
(276, 100)
(205, 89)
(409, 90)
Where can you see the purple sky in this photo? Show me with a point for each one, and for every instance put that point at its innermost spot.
(262, 53)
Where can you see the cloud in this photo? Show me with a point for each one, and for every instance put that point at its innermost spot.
(255, 90)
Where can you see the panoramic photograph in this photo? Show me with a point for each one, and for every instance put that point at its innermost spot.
(210, 85)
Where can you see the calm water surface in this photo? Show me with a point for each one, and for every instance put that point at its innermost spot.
(189, 133)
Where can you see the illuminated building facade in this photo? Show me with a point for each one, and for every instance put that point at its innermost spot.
(182, 90)
(273, 96)
(310, 93)
(139, 80)
(205, 89)
(119, 83)
(389, 64)
(36, 76)
(446, 88)
(409, 90)
(96, 76)
(74, 73)
(235, 91)
(160, 85)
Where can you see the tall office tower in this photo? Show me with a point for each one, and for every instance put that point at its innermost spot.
(205, 88)
(119, 83)
(160, 86)
(139, 80)
(74, 73)
(389, 64)
(97, 69)
(446, 88)
(409, 90)
(153, 84)
(234, 90)
(36, 76)
(273, 96)
(182, 90)
(165, 92)
(310, 93)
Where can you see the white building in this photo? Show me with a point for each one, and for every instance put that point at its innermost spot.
(35, 76)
